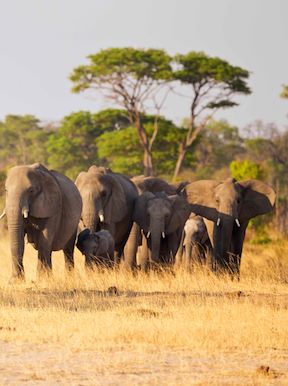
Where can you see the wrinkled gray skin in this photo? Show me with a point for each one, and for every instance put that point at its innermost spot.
(45, 206)
(157, 185)
(195, 243)
(108, 203)
(97, 247)
(161, 219)
(227, 208)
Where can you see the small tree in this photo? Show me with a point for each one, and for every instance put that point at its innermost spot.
(213, 82)
(284, 93)
(130, 78)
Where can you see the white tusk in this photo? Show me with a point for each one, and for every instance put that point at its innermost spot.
(101, 217)
(163, 235)
(237, 222)
(3, 215)
(148, 234)
(25, 213)
(218, 222)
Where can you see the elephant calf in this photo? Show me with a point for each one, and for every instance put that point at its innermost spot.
(195, 243)
(98, 247)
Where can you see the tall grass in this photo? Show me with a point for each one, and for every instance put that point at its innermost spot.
(110, 310)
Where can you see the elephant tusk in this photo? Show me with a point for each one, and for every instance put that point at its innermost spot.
(218, 222)
(3, 214)
(25, 213)
(101, 216)
(163, 235)
(148, 234)
(237, 222)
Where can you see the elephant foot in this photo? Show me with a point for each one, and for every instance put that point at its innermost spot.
(17, 279)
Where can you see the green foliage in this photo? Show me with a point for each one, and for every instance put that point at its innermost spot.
(216, 147)
(120, 149)
(22, 140)
(199, 70)
(245, 170)
(114, 63)
(284, 93)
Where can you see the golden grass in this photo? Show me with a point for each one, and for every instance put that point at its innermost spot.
(160, 328)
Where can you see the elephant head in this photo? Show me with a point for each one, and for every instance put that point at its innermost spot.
(195, 232)
(159, 216)
(103, 198)
(229, 205)
(96, 246)
(31, 191)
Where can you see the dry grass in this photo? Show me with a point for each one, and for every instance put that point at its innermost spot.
(165, 328)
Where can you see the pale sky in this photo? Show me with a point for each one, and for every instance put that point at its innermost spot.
(41, 41)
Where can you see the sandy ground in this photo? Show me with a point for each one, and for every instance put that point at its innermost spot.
(27, 364)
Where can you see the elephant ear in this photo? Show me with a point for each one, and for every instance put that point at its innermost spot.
(81, 239)
(258, 198)
(140, 210)
(48, 202)
(180, 213)
(116, 207)
(80, 178)
(201, 197)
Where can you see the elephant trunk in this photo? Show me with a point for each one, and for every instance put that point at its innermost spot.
(188, 252)
(157, 228)
(223, 243)
(16, 234)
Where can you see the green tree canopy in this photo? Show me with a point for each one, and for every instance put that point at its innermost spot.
(130, 78)
(120, 149)
(214, 84)
(22, 140)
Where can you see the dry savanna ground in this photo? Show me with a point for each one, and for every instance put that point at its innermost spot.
(168, 328)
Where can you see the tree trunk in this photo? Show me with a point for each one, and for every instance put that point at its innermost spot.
(147, 163)
(180, 160)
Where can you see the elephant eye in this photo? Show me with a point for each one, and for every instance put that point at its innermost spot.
(103, 193)
(31, 190)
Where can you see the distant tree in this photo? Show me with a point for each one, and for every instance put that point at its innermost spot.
(120, 149)
(246, 170)
(214, 83)
(22, 140)
(131, 78)
(216, 147)
(72, 147)
(284, 93)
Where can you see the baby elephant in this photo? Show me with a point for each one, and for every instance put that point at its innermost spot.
(98, 248)
(195, 244)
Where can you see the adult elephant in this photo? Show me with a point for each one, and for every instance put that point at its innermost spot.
(195, 245)
(227, 208)
(161, 219)
(46, 206)
(108, 203)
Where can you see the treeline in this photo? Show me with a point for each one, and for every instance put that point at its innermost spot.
(107, 138)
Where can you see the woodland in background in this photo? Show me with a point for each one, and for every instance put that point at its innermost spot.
(107, 138)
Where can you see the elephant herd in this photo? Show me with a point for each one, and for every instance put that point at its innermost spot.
(142, 222)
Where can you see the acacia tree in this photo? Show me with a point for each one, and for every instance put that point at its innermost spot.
(131, 78)
(214, 84)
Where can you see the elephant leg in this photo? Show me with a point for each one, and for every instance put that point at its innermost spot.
(210, 231)
(143, 257)
(17, 269)
(44, 253)
(131, 247)
(237, 242)
(69, 253)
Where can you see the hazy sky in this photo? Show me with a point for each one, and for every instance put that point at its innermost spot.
(41, 41)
